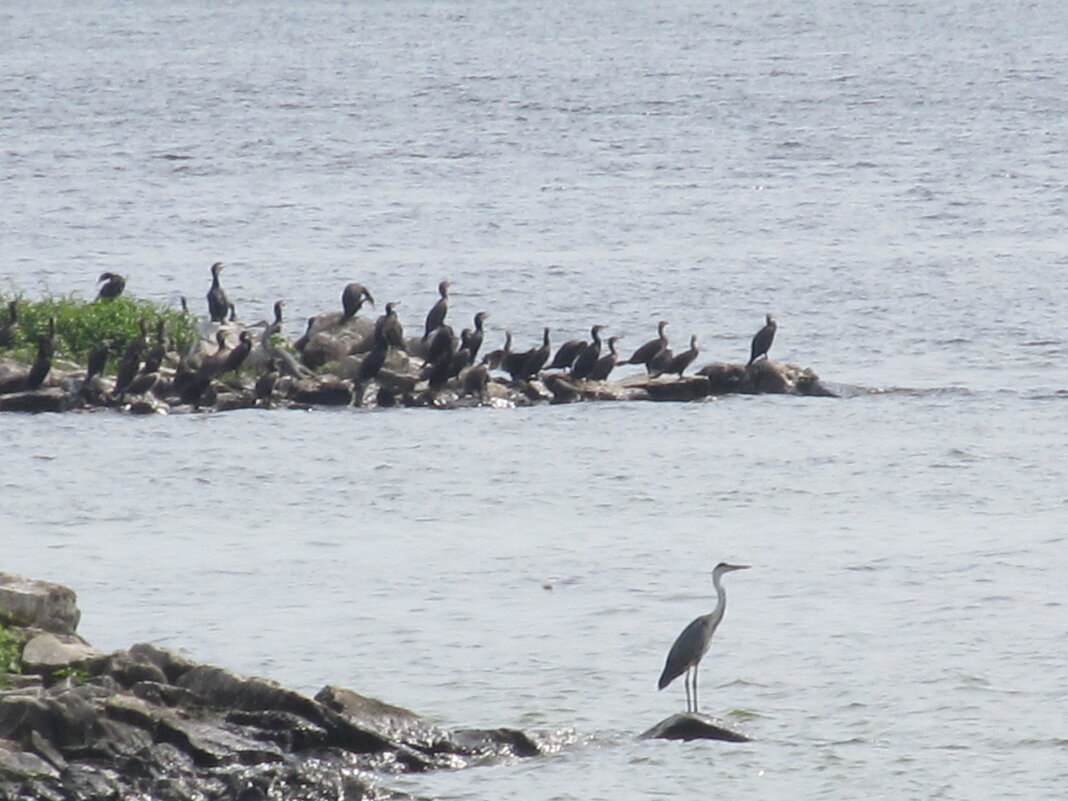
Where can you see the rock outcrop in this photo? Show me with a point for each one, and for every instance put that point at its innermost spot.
(147, 722)
(693, 726)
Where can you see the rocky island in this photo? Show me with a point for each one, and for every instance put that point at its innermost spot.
(143, 358)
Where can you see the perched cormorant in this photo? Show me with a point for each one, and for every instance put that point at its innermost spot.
(112, 287)
(352, 298)
(606, 364)
(237, 355)
(496, 359)
(567, 353)
(376, 357)
(390, 328)
(680, 361)
(584, 363)
(474, 341)
(762, 340)
(651, 349)
(537, 358)
(130, 364)
(93, 390)
(265, 384)
(436, 316)
(442, 343)
(218, 304)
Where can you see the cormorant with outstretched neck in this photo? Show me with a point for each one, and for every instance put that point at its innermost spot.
(762, 340)
(587, 359)
(606, 364)
(352, 298)
(218, 304)
(680, 361)
(651, 349)
(112, 287)
(436, 316)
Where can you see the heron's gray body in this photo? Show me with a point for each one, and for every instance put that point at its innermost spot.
(694, 642)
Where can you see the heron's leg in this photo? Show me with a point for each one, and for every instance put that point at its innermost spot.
(695, 688)
(686, 681)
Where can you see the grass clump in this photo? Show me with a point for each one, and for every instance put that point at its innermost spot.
(82, 325)
(11, 642)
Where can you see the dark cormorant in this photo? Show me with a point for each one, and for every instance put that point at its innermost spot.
(389, 325)
(376, 357)
(131, 358)
(584, 363)
(680, 361)
(651, 349)
(436, 316)
(265, 384)
(92, 390)
(352, 298)
(495, 359)
(218, 304)
(537, 358)
(112, 287)
(474, 341)
(442, 343)
(567, 353)
(762, 340)
(237, 355)
(606, 364)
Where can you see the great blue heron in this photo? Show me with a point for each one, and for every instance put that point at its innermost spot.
(762, 340)
(685, 655)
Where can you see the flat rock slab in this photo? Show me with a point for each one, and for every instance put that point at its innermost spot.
(693, 726)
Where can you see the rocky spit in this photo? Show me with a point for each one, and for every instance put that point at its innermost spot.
(65, 390)
(77, 724)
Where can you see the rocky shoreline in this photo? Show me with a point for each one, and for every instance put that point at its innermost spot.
(146, 722)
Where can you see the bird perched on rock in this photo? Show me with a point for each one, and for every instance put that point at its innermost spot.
(436, 316)
(647, 353)
(762, 340)
(352, 298)
(218, 304)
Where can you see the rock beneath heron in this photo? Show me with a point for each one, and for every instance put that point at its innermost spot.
(693, 726)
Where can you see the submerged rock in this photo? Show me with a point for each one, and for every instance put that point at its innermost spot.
(693, 726)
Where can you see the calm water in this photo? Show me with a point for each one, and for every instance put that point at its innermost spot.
(887, 178)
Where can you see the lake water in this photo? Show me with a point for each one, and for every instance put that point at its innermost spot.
(887, 178)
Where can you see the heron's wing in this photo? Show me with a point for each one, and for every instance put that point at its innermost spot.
(687, 650)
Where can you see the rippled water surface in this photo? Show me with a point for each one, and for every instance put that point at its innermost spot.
(887, 178)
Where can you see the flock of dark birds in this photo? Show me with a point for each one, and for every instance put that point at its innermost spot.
(365, 350)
